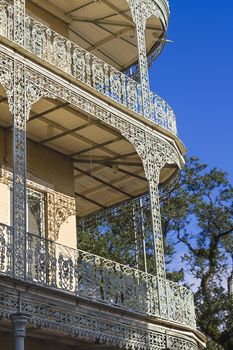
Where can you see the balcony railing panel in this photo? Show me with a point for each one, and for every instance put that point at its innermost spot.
(85, 67)
(6, 250)
(6, 19)
(95, 278)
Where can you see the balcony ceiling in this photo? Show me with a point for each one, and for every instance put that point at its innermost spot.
(107, 169)
(105, 28)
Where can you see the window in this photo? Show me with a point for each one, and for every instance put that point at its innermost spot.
(35, 212)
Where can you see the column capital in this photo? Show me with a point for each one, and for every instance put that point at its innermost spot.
(19, 322)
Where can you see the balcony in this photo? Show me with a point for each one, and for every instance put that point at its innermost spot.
(88, 70)
(96, 279)
(82, 168)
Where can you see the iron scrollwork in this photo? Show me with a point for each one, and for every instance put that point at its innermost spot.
(91, 328)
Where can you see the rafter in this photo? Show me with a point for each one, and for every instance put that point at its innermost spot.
(39, 115)
(129, 173)
(114, 14)
(102, 161)
(123, 156)
(117, 11)
(119, 37)
(90, 200)
(101, 51)
(65, 133)
(87, 173)
(111, 37)
(113, 182)
(77, 136)
(79, 7)
(96, 122)
(120, 170)
(111, 23)
(96, 146)
(53, 9)
(120, 156)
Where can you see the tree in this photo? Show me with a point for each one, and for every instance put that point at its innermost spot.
(196, 213)
(200, 215)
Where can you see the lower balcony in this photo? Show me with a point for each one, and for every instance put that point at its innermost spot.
(94, 278)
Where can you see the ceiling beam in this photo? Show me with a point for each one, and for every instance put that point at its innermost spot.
(129, 173)
(52, 9)
(113, 15)
(120, 156)
(39, 115)
(91, 120)
(123, 156)
(84, 157)
(117, 36)
(76, 136)
(65, 133)
(90, 200)
(96, 146)
(104, 22)
(110, 37)
(111, 23)
(107, 184)
(102, 161)
(120, 170)
(100, 50)
(113, 182)
(79, 7)
(117, 11)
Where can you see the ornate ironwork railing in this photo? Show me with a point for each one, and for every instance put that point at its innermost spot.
(95, 278)
(85, 67)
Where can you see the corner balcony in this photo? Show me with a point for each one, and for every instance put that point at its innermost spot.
(85, 69)
(99, 280)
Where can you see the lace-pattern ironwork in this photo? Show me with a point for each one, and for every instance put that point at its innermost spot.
(92, 328)
(90, 276)
(72, 59)
(43, 262)
(59, 208)
(6, 20)
(6, 250)
(50, 264)
(154, 152)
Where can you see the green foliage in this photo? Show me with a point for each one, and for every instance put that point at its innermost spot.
(200, 216)
(213, 346)
(110, 235)
(197, 214)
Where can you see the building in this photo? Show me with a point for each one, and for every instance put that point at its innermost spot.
(78, 136)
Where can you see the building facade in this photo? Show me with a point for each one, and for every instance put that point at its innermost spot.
(80, 136)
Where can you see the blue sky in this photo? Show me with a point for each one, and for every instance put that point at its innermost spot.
(195, 76)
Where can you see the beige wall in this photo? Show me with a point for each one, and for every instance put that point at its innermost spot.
(48, 166)
(51, 173)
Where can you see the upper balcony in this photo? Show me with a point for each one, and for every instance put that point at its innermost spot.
(94, 43)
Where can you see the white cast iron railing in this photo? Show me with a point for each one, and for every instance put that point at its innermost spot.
(94, 278)
(85, 67)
